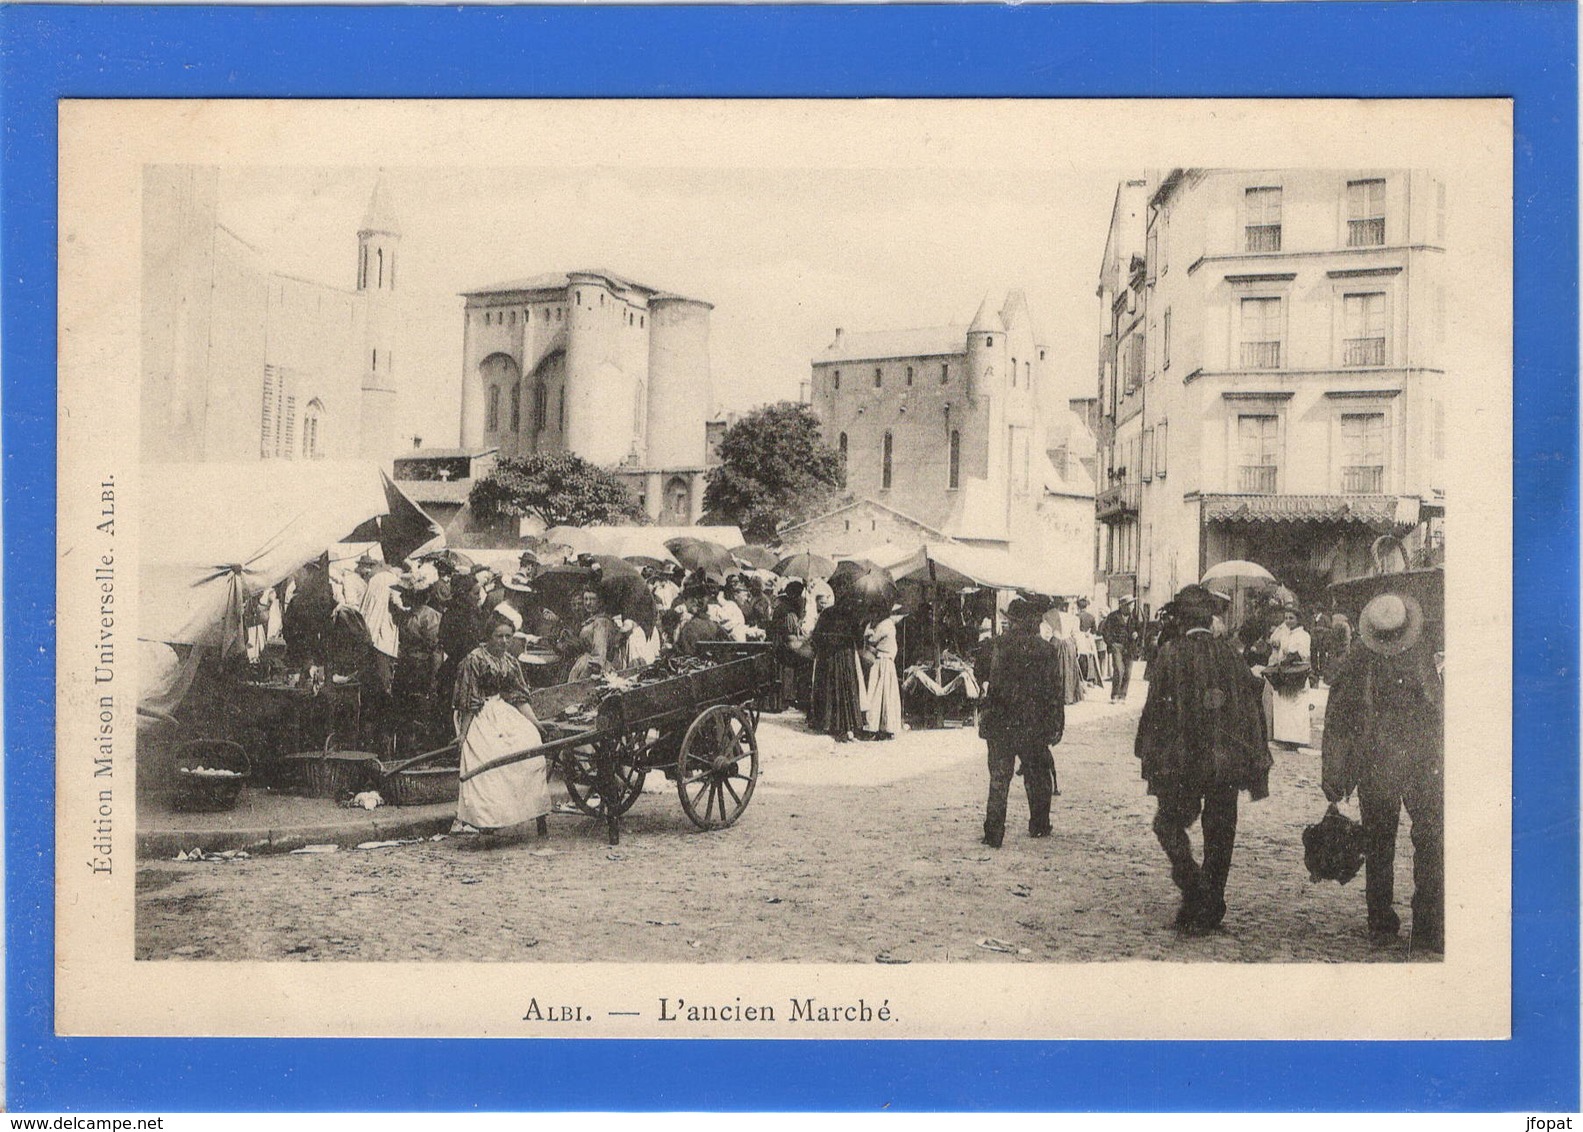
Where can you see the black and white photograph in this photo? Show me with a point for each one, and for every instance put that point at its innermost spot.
(890, 560)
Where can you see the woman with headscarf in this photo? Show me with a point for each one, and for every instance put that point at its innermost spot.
(836, 708)
(882, 694)
(494, 719)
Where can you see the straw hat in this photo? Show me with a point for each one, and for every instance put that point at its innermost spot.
(521, 582)
(1391, 624)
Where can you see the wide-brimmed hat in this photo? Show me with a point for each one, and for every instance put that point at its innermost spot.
(1124, 599)
(1082, 601)
(1391, 623)
(367, 560)
(521, 582)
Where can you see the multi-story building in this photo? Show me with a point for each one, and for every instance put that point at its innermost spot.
(595, 364)
(1270, 374)
(242, 362)
(944, 430)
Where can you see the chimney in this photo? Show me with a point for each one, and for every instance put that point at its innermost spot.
(417, 442)
(838, 334)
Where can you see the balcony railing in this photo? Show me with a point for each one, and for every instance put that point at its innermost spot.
(1261, 355)
(1363, 480)
(1257, 479)
(1363, 352)
(1263, 238)
(1366, 233)
(1122, 499)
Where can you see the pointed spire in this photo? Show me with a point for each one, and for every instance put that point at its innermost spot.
(986, 319)
(381, 214)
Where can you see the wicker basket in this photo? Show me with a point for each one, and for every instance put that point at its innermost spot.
(203, 793)
(421, 786)
(328, 773)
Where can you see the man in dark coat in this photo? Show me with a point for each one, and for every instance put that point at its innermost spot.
(1384, 737)
(1121, 636)
(1022, 715)
(1201, 740)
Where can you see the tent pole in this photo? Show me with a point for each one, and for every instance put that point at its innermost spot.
(934, 619)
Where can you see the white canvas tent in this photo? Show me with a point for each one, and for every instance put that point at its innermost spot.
(214, 535)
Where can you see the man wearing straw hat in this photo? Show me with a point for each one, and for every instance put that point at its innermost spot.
(1022, 715)
(1384, 736)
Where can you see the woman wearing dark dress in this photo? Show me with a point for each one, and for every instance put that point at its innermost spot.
(836, 708)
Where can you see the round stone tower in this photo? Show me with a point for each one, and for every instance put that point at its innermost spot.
(680, 396)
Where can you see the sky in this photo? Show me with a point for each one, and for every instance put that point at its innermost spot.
(785, 256)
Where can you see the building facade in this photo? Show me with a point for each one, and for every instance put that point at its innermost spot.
(947, 426)
(1270, 375)
(591, 363)
(241, 362)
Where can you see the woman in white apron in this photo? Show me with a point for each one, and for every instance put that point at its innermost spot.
(494, 718)
(882, 696)
(1286, 682)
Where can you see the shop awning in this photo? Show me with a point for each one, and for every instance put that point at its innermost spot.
(1378, 511)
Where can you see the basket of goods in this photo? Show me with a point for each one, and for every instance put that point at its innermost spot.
(327, 773)
(423, 780)
(1289, 675)
(210, 774)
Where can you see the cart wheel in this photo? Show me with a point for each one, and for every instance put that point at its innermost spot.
(718, 767)
(581, 771)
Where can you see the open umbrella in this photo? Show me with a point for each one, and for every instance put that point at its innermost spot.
(1238, 571)
(624, 591)
(756, 557)
(807, 565)
(701, 554)
(1237, 575)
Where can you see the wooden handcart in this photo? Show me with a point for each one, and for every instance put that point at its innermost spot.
(699, 728)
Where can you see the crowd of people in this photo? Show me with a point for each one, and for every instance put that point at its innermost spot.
(1217, 701)
(451, 653)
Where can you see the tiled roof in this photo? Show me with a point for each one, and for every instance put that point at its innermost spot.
(1371, 510)
(875, 345)
(436, 491)
(446, 453)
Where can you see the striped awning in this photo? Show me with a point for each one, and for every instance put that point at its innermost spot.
(1378, 511)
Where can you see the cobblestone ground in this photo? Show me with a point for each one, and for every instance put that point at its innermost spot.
(844, 853)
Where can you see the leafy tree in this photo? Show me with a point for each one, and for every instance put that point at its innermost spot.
(774, 469)
(560, 490)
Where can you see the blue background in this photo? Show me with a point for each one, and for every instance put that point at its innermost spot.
(1524, 50)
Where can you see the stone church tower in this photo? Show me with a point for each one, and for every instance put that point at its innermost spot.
(378, 241)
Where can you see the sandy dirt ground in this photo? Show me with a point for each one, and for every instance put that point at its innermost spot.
(846, 853)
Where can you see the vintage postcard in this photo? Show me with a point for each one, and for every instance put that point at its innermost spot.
(1022, 569)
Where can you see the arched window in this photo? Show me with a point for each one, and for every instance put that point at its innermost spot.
(677, 498)
(909, 375)
(380, 253)
(840, 447)
(362, 267)
(836, 381)
(884, 480)
(989, 340)
(955, 480)
(492, 417)
(541, 396)
(516, 407)
(879, 377)
(1014, 373)
(945, 372)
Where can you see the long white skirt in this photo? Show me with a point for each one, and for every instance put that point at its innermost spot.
(510, 794)
(1288, 715)
(882, 697)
